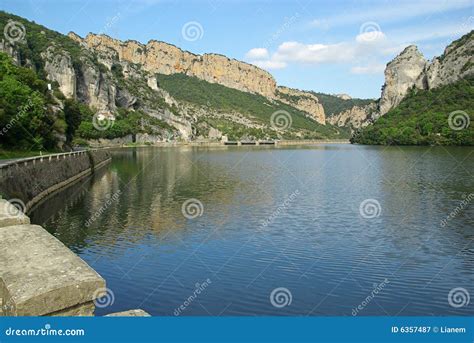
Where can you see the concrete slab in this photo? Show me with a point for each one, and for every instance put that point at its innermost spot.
(129, 313)
(39, 275)
(10, 215)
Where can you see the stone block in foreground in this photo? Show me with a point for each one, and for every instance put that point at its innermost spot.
(129, 313)
(40, 276)
(10, 215)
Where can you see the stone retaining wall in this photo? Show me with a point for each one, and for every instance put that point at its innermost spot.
(31, 179)
(39, 275)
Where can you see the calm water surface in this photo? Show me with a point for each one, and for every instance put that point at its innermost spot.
(275, 217)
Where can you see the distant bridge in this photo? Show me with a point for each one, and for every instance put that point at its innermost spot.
(288, 142)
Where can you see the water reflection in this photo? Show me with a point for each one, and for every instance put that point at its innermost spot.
(316, 245)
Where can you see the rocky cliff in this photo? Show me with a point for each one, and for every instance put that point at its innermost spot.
(355, 117)
(164, 58)
(303, 101)
(138, 89)
(410, 69)
(401, 74)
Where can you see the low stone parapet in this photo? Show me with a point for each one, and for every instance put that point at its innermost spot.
(40, 276)
(32, 179)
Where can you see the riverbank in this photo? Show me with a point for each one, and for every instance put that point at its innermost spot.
(29, 180)
(39, 275)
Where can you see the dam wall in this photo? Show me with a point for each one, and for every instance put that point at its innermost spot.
(27, 181)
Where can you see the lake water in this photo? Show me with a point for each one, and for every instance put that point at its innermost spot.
(304, 230)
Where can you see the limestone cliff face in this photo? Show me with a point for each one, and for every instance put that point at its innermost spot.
(10, 50)
(456, 62)
(163, 58)
(410, 69)
(303, 101)
(401, 74)
(59, 68)
(355, 117)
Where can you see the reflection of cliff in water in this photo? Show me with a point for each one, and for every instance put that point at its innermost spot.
(140, 193)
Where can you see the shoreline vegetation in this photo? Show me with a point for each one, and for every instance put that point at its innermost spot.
(442, 116)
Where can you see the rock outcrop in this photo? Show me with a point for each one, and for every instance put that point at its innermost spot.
(456, 62)
(164, 58)
(410, 69)
(58, 66)
(355, 117)
(304, 101)
(344, 96)
(401, 74)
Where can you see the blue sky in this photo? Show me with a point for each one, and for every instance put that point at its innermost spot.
(328, 46)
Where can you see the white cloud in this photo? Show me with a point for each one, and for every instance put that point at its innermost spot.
(313, 53)
(269, 64)
(370, 37)
(363, 46)
(369, 69)
(257, 54)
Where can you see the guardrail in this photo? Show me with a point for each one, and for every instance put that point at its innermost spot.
(41, 158)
